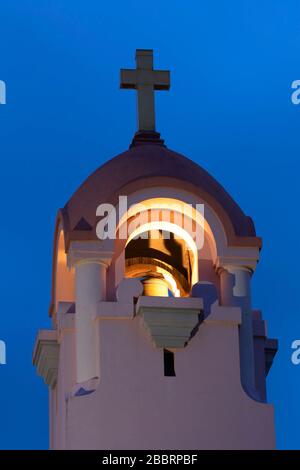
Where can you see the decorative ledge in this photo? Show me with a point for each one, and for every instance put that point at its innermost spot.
(170, 321)
(146, 138)
(46, 355)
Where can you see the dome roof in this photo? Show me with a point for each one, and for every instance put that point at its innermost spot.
(149, 164)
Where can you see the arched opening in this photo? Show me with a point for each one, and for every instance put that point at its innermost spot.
(64, 283)
(135, 222)
(164, 257)
(162, 262)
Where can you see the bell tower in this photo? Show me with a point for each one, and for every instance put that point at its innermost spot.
(154, 341)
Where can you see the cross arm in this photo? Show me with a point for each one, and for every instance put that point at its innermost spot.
(128, 78)
(161, 79)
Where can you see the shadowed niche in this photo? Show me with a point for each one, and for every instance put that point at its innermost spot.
(161, 259)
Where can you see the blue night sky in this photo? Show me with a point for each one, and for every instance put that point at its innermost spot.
(229, 109)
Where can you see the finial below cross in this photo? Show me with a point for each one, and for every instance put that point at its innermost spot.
(145, 80)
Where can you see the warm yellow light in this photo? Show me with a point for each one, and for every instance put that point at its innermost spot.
(171, 281)
(179, 231)
(164, 203)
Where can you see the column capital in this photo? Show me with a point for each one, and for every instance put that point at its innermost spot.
(233, 269)
(235, 264)
(89, 253)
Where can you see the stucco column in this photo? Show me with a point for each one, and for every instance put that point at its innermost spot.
(90, 289)
(235, 291)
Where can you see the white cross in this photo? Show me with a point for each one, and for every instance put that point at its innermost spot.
(145, 80)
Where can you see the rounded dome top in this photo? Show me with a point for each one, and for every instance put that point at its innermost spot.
(147, 165)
